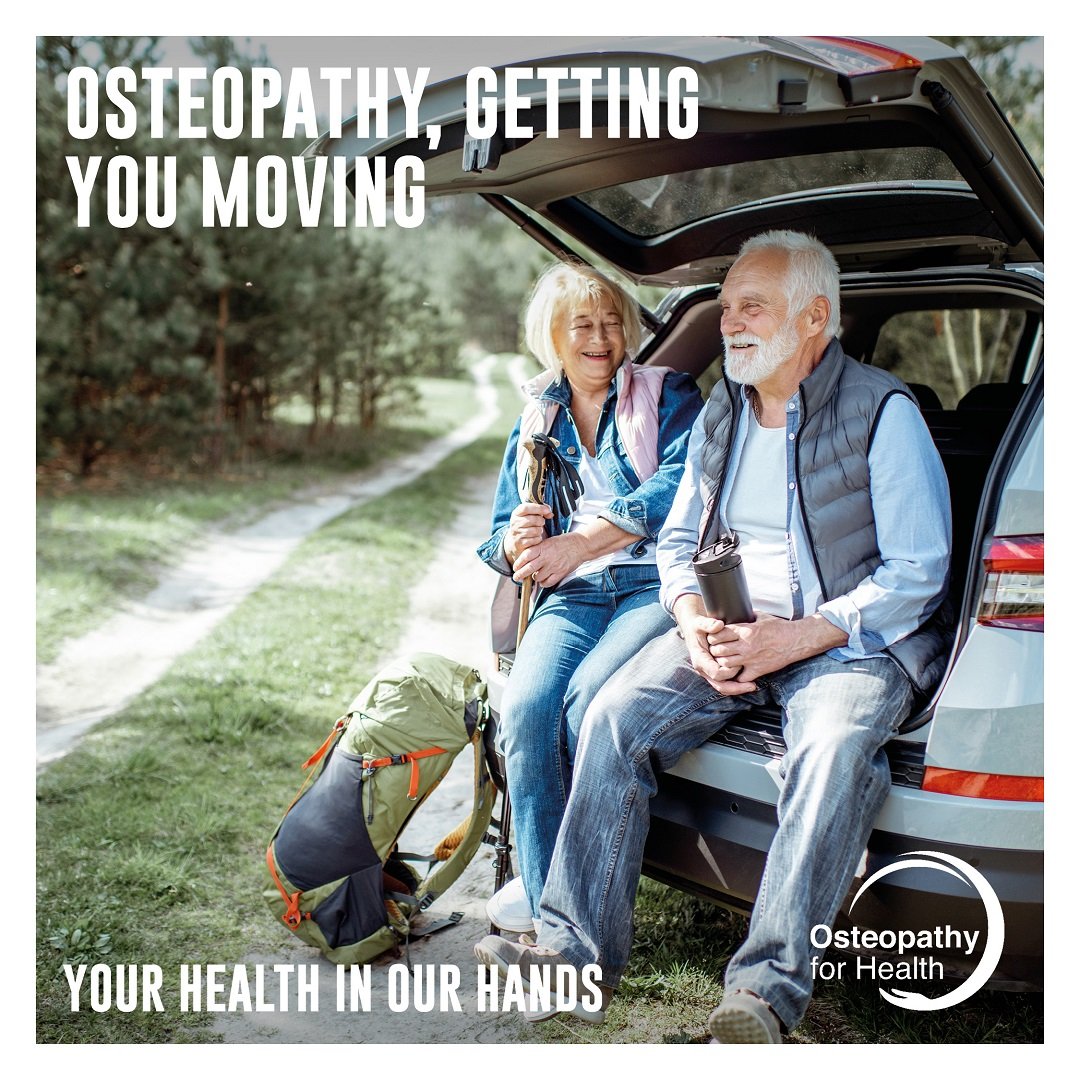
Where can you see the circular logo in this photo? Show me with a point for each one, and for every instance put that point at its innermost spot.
(995, 928)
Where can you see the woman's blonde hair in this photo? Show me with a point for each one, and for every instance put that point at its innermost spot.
(559, 290)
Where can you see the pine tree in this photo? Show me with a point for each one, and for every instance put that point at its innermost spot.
(117, 362)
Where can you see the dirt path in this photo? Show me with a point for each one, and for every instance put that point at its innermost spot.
(450, 608)
(95, 676)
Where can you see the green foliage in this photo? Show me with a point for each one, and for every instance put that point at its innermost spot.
(176, 344)
(81, 944)
(117, 331)
(476, 265)
(1017, 86)
(973, 346)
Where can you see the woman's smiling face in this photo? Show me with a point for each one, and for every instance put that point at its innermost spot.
(591, 343)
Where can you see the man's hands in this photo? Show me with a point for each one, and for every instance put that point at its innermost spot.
(731, 657)
(697, 628)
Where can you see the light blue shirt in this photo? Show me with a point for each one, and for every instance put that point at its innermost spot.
(909, 494)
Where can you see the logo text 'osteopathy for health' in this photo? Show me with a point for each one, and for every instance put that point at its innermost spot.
(904, 941)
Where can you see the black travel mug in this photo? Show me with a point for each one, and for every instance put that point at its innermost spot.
(722, 579)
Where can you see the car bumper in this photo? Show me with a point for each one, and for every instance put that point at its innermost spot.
(713, 843)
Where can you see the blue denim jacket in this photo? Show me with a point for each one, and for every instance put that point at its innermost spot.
(639, 507)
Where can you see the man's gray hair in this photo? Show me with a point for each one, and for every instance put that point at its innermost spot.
(812, 271)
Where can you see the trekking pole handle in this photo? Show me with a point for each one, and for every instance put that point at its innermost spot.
(537, 475)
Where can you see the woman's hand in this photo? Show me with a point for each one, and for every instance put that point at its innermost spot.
(526, 529)
(551, 560)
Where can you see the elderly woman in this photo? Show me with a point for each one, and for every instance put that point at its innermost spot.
(625, 429)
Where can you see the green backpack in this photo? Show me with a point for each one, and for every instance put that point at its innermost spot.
(338, 881)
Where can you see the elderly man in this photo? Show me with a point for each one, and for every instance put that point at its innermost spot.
(825, 469)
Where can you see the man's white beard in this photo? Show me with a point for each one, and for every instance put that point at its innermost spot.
(764, 360)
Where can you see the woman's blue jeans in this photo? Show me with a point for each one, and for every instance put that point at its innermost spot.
(580, 634)
(837, 718)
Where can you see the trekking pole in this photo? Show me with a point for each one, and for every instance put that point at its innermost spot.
(539, 447)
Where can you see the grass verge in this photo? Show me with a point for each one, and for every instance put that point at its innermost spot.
(100, 546)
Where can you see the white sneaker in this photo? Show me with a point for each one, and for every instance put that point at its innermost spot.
(509, 908)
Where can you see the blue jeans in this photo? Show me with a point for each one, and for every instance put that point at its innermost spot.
(578, 637)
(837, 718)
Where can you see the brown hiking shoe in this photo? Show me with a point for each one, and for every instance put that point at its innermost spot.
(743, 1017)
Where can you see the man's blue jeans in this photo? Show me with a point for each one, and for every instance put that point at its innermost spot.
(837, 718)
(579, 635)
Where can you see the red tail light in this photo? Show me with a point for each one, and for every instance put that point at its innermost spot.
(983, 785)
(867, 72)
(853, 56)
(1013, 591)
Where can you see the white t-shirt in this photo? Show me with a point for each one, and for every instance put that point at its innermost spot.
(757, 511)
(597, 496)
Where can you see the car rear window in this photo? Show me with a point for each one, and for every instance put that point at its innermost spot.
(950, 351)
(659, 204)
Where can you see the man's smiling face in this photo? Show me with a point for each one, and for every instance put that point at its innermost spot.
(759, 337)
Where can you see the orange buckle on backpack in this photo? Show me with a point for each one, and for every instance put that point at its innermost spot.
(293, 915)
(413, 758)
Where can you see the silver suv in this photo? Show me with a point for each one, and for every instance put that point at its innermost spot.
(895, 155)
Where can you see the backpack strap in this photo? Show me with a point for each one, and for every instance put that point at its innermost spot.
(340, 724)
(405, 759)
(458, 848)
(293, 915)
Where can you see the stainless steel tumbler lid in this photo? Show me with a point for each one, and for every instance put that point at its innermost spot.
(718, 556)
